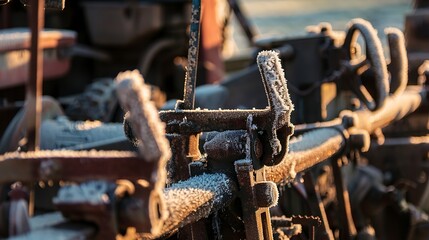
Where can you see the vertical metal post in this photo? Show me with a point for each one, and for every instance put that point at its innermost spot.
(347, 226)
(316, 205)
(34, 85)
(194, 40)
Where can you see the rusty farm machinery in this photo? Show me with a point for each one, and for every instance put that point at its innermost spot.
(321, 137)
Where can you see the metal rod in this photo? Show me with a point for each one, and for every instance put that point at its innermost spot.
(34, 85)
(247, 27)
(316, 205)
(194, 40)
(395, 108)
(347, 226)
(306, 151)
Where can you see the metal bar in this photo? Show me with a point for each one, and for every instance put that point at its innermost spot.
(196, 121)
(395, 108)
(316, 205)
(72, 166)
(306, 151)
(248, 29)
(34, 85)
(194, 40)
(191, 200)
(347, 226)
(251, 220)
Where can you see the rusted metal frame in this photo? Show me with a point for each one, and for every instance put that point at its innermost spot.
(316, 206)
(84, 168)
(280, 172)
(194, 43)
(327, 143)
(306, 160)
(191, 140)
(185, 151)
(34, 85)
(254, 188)
(274, 121)
(196, 121)
(219, 193)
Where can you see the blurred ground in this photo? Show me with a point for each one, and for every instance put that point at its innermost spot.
(290, 17)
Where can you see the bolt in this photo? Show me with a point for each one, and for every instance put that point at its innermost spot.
(348, 119)
(360, 140)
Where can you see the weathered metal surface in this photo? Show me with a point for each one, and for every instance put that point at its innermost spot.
(154, 148)
(274, 121)
(70, 166)
(256, 218)
(306, 151)
(396, 108)
(202, 184)
(193, 199)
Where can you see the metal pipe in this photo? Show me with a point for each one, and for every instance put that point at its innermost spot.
(191, 200)
(306, 151)
(395, 108)
(34, 85)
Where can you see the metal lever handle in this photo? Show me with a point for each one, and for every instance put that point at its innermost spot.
(280, 105)
(398, 66)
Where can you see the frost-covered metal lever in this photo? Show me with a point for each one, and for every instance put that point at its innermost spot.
(273, 122)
